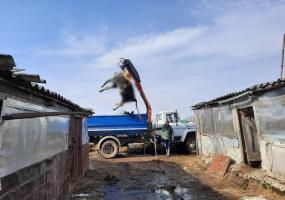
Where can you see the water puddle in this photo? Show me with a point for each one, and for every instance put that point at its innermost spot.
(82, 196)
(114, 190)
(253, 198)
(164, 192)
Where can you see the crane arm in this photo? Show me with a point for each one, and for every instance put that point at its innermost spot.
(126, 64)
(146, 102)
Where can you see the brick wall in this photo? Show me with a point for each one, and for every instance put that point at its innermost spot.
(47, 180)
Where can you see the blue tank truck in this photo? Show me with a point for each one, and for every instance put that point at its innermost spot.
(110, 132)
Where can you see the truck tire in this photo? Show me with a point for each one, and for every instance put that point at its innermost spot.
(191, 144)
(109, 149)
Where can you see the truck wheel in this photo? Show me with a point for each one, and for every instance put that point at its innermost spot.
(109, 149)
(191, 144)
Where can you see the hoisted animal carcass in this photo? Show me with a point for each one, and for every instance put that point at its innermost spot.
(122, 81)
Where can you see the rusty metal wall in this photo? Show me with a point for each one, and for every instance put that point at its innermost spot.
(207, 124)
(224, 124)
(220, 145)
(270, 115)
(217, 133)
(217, 122)
(28, 141)
(270, 109)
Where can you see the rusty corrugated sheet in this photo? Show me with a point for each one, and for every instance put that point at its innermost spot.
(219, 165)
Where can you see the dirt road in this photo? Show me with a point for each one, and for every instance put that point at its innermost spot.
(132, 177)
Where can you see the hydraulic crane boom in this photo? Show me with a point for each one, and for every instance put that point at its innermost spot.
(126, 64)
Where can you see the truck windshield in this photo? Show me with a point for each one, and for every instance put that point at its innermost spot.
(172, 117)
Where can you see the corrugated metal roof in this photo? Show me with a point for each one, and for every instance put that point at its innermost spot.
(18, 80)
(259, 88)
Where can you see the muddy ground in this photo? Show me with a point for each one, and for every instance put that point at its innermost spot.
(134, 176)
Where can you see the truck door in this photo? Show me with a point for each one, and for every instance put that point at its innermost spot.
(174, 123)
(76, 146)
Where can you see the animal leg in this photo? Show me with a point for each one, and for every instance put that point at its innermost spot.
(118, 105)
(108, 81)
(106, 88)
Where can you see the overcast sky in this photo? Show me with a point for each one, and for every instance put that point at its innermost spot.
(185, 51)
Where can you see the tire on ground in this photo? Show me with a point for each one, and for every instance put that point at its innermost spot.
(191, 144)
(109, 149)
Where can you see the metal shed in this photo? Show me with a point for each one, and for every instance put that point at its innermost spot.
(43, 138)
(248, 126)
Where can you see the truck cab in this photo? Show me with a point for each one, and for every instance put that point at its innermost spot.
(184, 133)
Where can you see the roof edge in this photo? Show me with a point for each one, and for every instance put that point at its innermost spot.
(256, 89)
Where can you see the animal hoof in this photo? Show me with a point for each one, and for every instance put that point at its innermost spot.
(101, 90)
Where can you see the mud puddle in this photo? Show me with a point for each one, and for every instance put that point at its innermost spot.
(163, 192)
(146, 177)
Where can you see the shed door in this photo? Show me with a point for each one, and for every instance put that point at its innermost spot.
(76, 147)
(249, 137)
